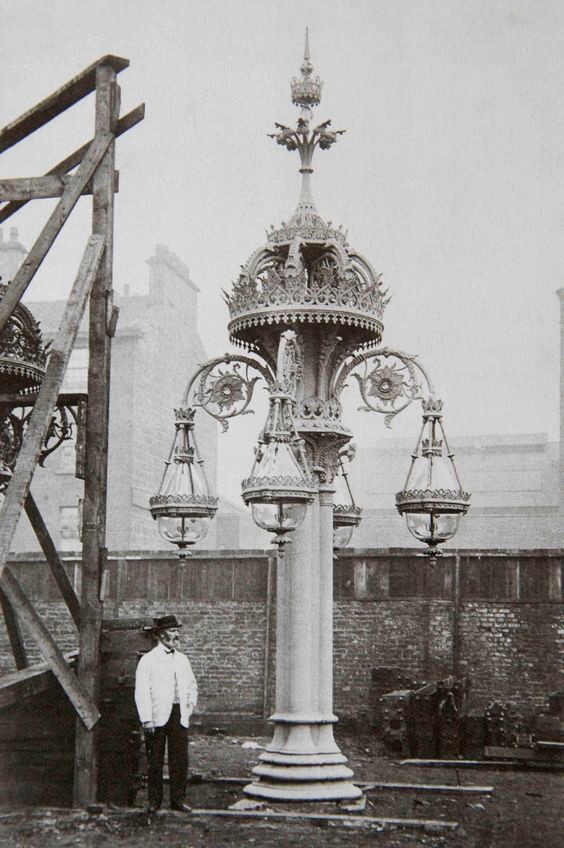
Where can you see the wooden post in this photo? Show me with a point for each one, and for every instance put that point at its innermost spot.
(95, 479)
(40, 418)
(14, 632)
(23, 607)
(53, 559)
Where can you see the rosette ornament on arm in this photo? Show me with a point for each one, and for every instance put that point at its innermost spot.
(183, 505)
(432, 499)
(281, 484)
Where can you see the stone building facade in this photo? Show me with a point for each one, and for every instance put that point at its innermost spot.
(154, 351)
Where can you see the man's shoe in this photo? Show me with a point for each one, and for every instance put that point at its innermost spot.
(181, 808)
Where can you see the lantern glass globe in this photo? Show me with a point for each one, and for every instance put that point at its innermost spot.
(280, 517)
(180, 530)
(432, 528)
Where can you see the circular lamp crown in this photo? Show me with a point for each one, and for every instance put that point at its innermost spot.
(183, 504)
(280, 485)
(306, 273)
(22, 354)
(433, 499)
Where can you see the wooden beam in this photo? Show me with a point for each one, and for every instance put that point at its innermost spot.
(431, 825)
(14, 632)
(53, 559)
(96, 462)
(75, 158)
(30, 681)
(69, 94)
(39, 188)
(80, 700)
(50, 231)
(40, 418)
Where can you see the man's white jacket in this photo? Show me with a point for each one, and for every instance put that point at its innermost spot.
(157, 672)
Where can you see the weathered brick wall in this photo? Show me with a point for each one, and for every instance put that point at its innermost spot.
(494, 616)
(520, 646)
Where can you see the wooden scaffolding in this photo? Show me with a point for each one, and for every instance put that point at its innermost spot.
(90, 170)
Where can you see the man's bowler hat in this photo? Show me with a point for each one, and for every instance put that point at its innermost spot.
(165, 622)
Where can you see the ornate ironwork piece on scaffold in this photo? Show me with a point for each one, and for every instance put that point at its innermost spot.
(23, 358)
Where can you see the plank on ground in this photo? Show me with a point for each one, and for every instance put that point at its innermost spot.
(432, 825)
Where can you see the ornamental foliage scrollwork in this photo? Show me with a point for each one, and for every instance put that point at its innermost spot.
(13, 426)
(224, 387)
(388, 381)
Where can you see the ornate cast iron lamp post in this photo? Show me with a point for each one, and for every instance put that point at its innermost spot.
(308, 308)
(23, 357)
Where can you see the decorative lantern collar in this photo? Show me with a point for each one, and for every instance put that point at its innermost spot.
(281, 483)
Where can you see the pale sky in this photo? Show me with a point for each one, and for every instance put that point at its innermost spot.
(449, 177)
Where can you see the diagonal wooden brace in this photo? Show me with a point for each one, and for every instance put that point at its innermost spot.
(50, 231)
(40, 418)
(53, 559)
(75, 158)
(14, 632)
(22, 606)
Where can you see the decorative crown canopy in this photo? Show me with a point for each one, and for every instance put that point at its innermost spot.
(307, 272)
(22, 354)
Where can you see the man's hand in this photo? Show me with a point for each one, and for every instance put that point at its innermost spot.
(148, 727)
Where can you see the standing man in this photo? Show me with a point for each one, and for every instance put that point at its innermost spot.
(166, 693)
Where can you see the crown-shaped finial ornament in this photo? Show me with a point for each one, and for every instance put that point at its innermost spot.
(306, 92)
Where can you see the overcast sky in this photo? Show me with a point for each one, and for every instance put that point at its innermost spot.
(449, 177)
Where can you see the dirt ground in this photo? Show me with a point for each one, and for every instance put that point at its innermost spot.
(525, 809)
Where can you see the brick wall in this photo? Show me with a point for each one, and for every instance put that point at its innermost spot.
(495, 616)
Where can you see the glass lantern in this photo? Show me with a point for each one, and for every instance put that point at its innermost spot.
(432, 500)
(280, 485)
(183, 506)
(346, 515)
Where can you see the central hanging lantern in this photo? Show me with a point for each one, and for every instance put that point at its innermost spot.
(346, 514)
(281, 484)
(183, 506)
(433, 499)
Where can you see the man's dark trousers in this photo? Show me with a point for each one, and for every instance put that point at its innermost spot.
(177, 737)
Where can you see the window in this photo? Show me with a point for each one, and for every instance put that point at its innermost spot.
(66, 455)
(76, 375)
(69, 528)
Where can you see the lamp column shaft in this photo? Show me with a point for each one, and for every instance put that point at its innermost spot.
(325, 742)
(302, 761)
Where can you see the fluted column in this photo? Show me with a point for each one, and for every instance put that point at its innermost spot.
(325, 740)
(302, 761)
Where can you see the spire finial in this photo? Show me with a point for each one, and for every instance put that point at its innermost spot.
(307, 60)
(306, 92)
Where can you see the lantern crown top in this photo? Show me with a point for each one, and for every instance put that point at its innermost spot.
(306, 93)
(306, 272)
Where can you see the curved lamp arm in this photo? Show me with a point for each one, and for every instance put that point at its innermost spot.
(388, 381)
(223, 387)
